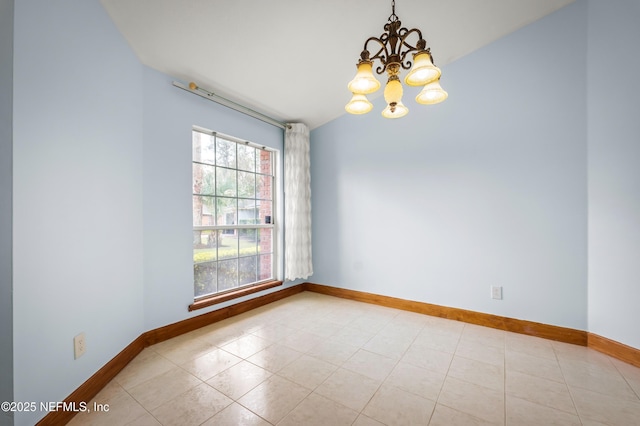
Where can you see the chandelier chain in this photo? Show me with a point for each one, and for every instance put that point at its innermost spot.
(393, 17)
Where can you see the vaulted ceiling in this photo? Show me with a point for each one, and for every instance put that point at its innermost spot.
(292, 59)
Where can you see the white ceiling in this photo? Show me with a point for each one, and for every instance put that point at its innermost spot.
(292, 59)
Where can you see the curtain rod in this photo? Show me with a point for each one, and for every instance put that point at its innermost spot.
(193, 88)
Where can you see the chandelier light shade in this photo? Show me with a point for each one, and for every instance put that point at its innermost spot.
(392, 48)
(423, 70)
(397, 111)
(432, 94)
(359, 104)
(393, 96)
(364, 82)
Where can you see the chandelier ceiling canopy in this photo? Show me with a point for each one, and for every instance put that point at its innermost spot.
(392, 49)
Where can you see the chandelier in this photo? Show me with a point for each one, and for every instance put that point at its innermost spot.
(393, 47)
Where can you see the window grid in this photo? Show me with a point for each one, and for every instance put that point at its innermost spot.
(231, 251)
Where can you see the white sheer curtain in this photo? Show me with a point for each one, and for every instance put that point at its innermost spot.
(297, 203)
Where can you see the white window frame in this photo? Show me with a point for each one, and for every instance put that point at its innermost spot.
(275, 215)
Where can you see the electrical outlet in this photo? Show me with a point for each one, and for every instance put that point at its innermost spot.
(79, 345)
(496, 292)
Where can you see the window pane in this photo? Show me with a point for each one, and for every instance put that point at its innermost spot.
(227, 212)
(246, 158)
(248, 241)
(247, 270)
(204, 245)
(226, 182)
(265, 266)
(247, 212)
(264, 211)
(204, 179)
(265, 244)
(264, 187)
(226, 153)
(203, 210)
(265, 162)
(227, 274)
(246, 185)
(203, 148)
(227, 243)
(204, 278)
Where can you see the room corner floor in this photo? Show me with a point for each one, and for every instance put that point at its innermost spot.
(312, 359)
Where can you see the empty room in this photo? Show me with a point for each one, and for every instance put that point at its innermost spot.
(363, 212)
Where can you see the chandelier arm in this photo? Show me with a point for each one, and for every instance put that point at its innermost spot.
(404, 34)
(381, 41)
(382, 54)
(406, 64)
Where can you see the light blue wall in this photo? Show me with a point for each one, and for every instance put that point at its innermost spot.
(614, 170)
(6, 211)
(77, 185)
(488, 188)
(102, 178)
(169, 116)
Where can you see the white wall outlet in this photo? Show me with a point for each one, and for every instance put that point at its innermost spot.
(496, 292)
(79, 345)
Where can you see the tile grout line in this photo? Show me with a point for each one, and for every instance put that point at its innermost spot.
(337, 367)
(624, 377)
(360, 347)
(324, 340)
(446, 374)
(145, 381)
(176, 396)
(564, 381)
(558, 354)
(361, 412)
(504, 378)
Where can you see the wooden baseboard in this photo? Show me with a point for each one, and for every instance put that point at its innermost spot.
(614, 349)
(176, 329)
(546, 331)
(609, 347)
(95, 383)
(236, 294)
(102, 377)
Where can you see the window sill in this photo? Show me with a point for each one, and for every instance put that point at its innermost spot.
(219, 298)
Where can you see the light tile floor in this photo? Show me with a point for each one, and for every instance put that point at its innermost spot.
(311, 360)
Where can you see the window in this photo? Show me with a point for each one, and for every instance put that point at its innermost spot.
(233, 214)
